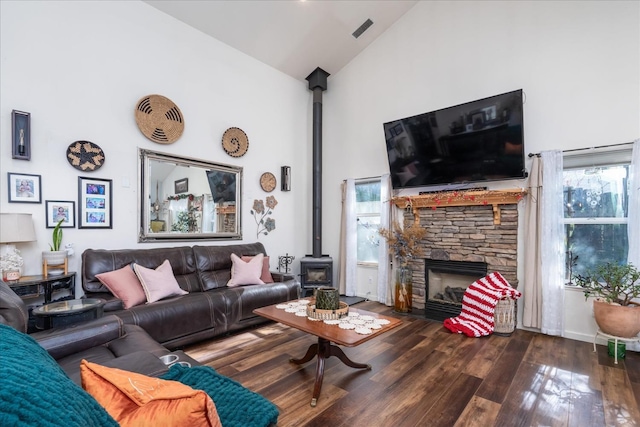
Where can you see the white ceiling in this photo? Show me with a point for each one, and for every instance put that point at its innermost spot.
(292, 36)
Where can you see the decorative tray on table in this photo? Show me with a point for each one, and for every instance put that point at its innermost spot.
(316, 313)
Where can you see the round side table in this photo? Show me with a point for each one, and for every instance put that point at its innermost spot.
(65, 313)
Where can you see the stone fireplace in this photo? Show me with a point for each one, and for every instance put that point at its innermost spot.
(469, 235)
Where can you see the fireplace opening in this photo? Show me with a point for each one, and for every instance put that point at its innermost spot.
(315, 272)
(445, 283)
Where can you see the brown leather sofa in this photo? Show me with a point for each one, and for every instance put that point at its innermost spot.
(107, 341)
(209, 309)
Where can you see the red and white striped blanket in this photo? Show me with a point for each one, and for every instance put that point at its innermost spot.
(478, 306)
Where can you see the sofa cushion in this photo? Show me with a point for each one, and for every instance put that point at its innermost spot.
(214, 262)
(246, 273)
(95, 261)
(159, 283)
(35, 390)
(124, 284)
(135, 399)
(265, 276)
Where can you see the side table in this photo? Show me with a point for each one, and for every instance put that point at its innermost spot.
(33, 286)
(65, 313)
(615, 344)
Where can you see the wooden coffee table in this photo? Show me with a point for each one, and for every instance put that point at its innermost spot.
(327, 334)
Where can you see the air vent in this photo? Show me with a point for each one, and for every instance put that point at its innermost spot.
(362, 28)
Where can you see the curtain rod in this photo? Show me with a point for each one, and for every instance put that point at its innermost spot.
(587, 148)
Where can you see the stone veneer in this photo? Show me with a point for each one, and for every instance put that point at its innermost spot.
(466, 233)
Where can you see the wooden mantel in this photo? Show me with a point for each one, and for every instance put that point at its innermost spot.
(494, 198)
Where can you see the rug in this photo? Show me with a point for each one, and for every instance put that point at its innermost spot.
(237, 406)
(351, 300)
(478, 306)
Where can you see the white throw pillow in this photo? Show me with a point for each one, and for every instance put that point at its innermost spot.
(246, 273)
(159, 283)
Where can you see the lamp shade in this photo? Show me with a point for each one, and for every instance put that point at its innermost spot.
(16, 227)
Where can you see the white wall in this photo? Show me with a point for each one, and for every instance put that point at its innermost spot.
(577, 61)
(80, 68)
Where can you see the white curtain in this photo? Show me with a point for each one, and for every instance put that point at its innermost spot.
(532, 286)
(552, 256)
(384, 296)
(633, 229)
(348, 240)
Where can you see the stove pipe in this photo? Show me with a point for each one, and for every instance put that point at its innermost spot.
(317, 83)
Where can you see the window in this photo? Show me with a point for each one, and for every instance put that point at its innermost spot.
(368, 216)
(595, 216)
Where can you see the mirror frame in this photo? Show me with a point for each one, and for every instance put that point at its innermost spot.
(144, 190)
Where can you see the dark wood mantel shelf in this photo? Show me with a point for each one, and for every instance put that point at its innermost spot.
(495, 198)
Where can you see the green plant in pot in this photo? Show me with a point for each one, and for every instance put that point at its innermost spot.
(617, 289)
(55, 256)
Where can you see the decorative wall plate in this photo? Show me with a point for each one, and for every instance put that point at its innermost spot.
(268, 182)
(159, 119)
(235, 142)
(85, 156)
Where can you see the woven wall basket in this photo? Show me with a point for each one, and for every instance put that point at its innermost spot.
(159, 119)
(235, 142)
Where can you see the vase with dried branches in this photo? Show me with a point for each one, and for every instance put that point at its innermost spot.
(404, 243)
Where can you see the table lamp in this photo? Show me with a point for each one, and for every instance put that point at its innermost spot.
(14, 228)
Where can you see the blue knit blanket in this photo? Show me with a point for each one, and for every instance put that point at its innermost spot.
(35, 391)
(237, 406)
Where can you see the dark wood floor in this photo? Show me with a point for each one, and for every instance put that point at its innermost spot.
(422, 375)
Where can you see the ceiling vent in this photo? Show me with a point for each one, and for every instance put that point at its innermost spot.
(362, 28)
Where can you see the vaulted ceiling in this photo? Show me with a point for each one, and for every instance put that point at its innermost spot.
(292, 36)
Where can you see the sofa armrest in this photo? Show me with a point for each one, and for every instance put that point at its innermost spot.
(62, 342)
(282, 277)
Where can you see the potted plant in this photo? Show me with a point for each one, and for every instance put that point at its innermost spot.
(615, 287)
(55, 256)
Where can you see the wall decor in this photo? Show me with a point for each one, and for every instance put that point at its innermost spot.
(94, 203)
(265, 223)
(235, 142)
(24, 188)
(21, 135)
(285, 178)
(181, 185)
(85, 156)
(210, 208)
(56, 210)
(159, 119)
(268, 182)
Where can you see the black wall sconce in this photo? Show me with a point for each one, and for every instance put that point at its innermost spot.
(21, 135)
(285, 178)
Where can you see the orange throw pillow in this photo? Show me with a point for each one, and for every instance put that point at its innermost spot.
(138, 400)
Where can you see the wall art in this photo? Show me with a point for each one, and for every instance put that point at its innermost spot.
(94, 203)
(56, 210)
(24, 188)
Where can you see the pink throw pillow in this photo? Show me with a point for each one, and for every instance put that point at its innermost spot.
(265, 276)
(246, 273)
(159, 283)
(124, 284)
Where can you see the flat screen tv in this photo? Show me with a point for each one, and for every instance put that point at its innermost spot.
(467, 143)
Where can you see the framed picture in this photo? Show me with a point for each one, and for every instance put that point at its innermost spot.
(182, 185)
(21, 135)
(94, 203)
(57, 210)
(24, 188)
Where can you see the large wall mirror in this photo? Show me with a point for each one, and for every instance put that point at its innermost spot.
(185, 199)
